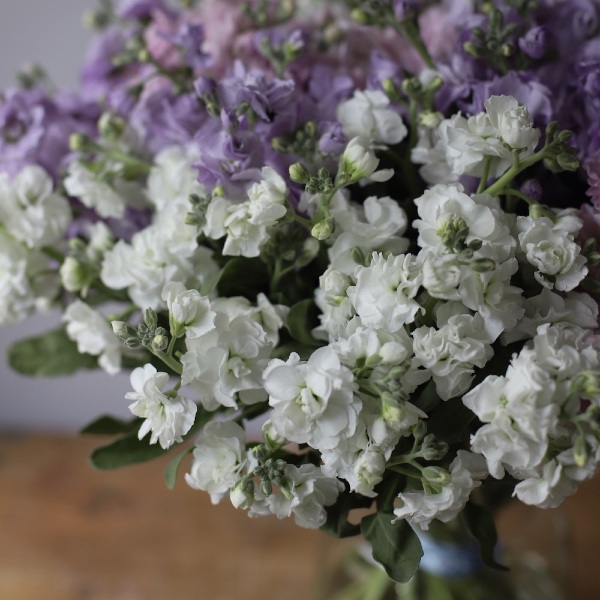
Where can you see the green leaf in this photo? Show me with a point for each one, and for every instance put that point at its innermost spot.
(129, 450)
(48, 355)
(107, 425)
(301, 320)
(125, 451)
(173, 468)
(481, 526)
(337, 523)
(449, 420)
(395, 545)
(243, 277)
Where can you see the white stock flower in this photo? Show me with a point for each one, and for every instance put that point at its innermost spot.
(491, 295)
(30, 210)
(368, 471)
(152, 259)
(375, 225)
(444, 209)
(93, 334)
(267, 199)
(513, 122)
(367, 114)
(310, 493)
(549, 307)
(93, 192)
(169, 419)
(173, 178)
(219, 457)
(466, 144)
(385, 291)
(420, 508)
(313, 402)
(227, 362)
(442, 275)
(17, 299)
(233, 219)
(452, 352)
(359, 162)
(189, 311)
(553, 253)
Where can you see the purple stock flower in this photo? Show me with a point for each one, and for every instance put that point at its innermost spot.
(533, 189)
(524, 87)
(535, 42)
(383, 68)
(189, 38)
(332, 140)
(166, 119)
(35, 129)
(265, 97)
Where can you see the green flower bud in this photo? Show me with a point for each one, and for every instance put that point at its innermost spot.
(436, 476)
(111, 126)
(587, 384)
(580, 451)
(482, 265)
(150, 318)
(323, 229)
(160, 342)
(299, 173)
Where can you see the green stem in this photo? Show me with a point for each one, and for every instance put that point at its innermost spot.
(171, 362)
(129, 160)
(486, 173)
(171, 346)
(518, 166)
(53, 253)
(521, 195)
(410, 30)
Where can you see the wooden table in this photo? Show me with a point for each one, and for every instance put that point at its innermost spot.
(71, 533)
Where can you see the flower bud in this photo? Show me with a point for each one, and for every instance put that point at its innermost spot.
(580, 451)
(299, 173)
(586, 383)
(242, 494)
(535, 42)
(72, 274)
(123, 330)
(483, 265)
(111, 126)
(436, 476)
(150, 318)
(323, 229)
(160, 342)
(273, 439)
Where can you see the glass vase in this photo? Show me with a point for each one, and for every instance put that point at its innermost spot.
(534, 546)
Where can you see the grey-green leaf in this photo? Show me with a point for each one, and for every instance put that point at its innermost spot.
(125, 451)
(395, 545)
(107, 425)
(49, 355)
(480, 522)
(301, 320)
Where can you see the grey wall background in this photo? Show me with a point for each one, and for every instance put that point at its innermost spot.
(49, 32)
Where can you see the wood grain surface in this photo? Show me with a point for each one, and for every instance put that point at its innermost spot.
(69, 532)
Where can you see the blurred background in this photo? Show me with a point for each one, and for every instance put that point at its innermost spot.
(50, 33)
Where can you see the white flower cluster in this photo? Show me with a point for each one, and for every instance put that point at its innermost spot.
(34, 220)
(479, 145)
(409, 320)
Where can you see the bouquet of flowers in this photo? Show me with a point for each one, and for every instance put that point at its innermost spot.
(347, 250)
